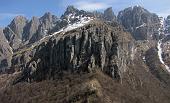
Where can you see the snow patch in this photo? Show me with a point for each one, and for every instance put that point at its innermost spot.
(46, 31)
(167, 34)
(80, 23)
(161, 31)
(160, 55)
(144, 24)
(68, 18)
(11, 50)
(144, 59)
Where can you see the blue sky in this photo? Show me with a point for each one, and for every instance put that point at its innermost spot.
(11, 8)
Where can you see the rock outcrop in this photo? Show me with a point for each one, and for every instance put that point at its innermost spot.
(15, 31)
(141, 23)
(167, 24)
(5, 53)
(72, 58)
(109, 15)
(31, 28)
(166, 40)
(21, 31)
(96, 45)
(13, 40)
(17, 26)
(72, 14)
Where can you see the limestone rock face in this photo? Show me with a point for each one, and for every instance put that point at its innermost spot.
(166, 41)
(15, 31)
(85, 50)
(141, 23)
(97, 45)
(12, 38)
(21, 31)
(109, 15)
(39, 27)
(17, 26)
(5, 53)
(167, 24)
(70, 10)
(73, 14)
(48, 20)
(31, 28)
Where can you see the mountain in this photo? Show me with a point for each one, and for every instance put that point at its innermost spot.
(165, 41)
(168, 24)
(140, 22)
(149, 31)
(109, 14)
(22, 31)
(5, 53)
(94, 45)
(85, 57)
(14, 31)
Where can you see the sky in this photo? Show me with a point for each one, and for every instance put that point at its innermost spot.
(28, 8)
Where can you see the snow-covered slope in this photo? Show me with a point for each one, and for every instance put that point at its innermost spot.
(161, 31)
(80, 23)
(71, 26)
(160, 55)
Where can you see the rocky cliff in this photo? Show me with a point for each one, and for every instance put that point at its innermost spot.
(95, 45)
(140, 22)
(21, 31)
(167, 24)
(71, 59)
(5, 53)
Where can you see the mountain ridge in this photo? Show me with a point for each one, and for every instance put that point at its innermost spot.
(87, 57)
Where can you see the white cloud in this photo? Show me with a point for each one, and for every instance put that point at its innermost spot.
(90, 6)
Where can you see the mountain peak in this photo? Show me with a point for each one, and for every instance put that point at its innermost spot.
(109, 14)
(168, 17)
(137, 20)
(17, 25)
(109, 8)
(19, 17)
(71, 9)
(47, 15)
(137, 7)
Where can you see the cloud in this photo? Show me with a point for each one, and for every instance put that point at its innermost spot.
(91, 6)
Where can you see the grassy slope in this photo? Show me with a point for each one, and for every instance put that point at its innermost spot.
(88, 88)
